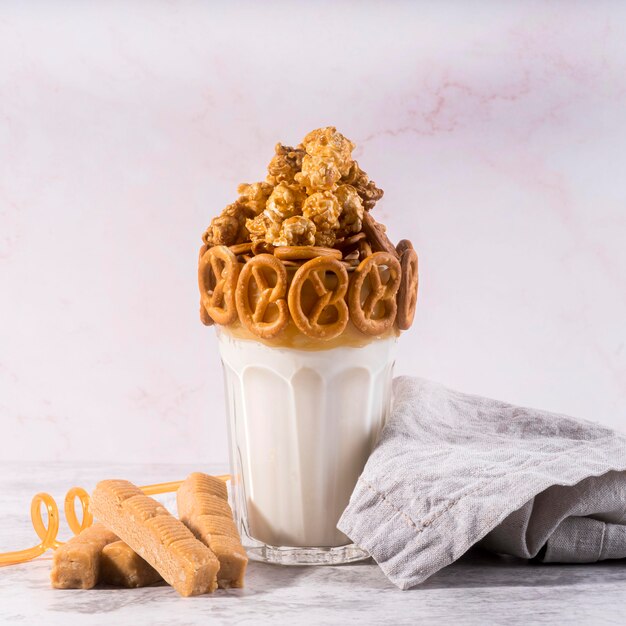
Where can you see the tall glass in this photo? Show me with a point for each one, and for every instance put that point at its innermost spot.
(302, 424)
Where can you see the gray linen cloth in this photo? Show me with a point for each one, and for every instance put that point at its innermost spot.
(451, 470)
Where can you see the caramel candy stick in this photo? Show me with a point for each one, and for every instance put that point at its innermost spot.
(121, 566)
(76, 564)
(157, 536)
(203, 506)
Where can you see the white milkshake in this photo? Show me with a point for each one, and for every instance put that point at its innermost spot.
(303, 423)
(308, 296)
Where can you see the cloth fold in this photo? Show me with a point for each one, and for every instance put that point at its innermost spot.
(452, 470)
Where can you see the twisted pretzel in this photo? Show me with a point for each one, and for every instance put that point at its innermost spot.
(407, 294)
(364, 249)
(348, 242)
(205, 318)
(218, 271)
(315, 272)
(252, 316)
(366, 315)
(260, 247)
(402, 245)
(240, 248)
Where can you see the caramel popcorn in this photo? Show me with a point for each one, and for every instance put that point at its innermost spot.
(296, 231)
(350, 220)
(328, 158)
(256, 227)
(313, 194)
(285, 201)
(366, 188)
(227, 228)
(329, 145)
(254, 196)
(285, 164)
(323, 209)
(318, 174)
(263, 228)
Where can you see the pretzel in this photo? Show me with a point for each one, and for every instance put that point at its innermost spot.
(292, 253)
(315, 271)
(365, 249)
(292, 263)
(240, 248)
(407, 294)
(261, 247)
(253, 317)
(350, 241)
(377, 236)
(364, 315)
(205, 318)
(218, 271)
(403, 244)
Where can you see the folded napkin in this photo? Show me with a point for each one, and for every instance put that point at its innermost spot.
(451, 470)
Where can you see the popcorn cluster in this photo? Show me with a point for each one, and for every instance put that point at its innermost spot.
(314, 194)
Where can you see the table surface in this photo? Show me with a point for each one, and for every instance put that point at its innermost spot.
(480, 588)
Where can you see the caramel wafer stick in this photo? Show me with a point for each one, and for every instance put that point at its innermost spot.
(203, 507)
(121, 566)
(149, 529)
(76, 564)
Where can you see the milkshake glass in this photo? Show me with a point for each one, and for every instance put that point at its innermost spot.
(308, 296)
(302, 424)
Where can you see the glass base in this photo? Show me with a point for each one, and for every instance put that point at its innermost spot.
(306, 556)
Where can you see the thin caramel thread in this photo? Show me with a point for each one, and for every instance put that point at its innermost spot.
(48, 533)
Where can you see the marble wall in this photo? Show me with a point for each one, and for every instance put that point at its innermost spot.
(498, 131)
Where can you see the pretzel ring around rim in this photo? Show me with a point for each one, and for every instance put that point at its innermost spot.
(362, 313)
(253, 316)
(407, 294)
(315, 272)
(218, 271)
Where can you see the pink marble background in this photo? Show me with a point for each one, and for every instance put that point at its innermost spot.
(498, 131)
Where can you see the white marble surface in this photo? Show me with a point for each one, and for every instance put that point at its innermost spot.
(498, 131)
(479, 589)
